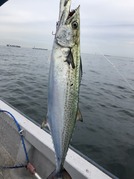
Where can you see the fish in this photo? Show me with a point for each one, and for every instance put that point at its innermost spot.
(65, 75)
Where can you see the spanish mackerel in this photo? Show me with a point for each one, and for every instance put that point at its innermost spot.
(64, 82)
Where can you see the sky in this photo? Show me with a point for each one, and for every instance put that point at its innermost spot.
(107, 26)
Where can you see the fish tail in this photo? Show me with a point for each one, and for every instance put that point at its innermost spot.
(60, 175)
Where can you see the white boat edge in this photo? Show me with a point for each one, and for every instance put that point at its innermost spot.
(75, 164)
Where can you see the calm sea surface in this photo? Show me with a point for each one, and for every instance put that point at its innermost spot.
(106, 103)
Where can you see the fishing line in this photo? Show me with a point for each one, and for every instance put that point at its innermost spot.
(117, 70)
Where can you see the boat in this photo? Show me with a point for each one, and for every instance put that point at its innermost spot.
(34, 157)
(35, 48)
(17, 46)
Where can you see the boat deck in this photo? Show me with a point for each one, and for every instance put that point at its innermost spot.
(7, 160)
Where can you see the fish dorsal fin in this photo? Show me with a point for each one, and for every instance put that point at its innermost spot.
(79, 116)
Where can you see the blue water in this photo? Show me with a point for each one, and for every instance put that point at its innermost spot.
(106, 102)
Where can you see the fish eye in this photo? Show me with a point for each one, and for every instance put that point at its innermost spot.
(74, 25)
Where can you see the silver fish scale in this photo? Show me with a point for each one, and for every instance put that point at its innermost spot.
(71, 105)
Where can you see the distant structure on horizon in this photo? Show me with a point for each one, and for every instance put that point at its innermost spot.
(18, 46)
(39, 48)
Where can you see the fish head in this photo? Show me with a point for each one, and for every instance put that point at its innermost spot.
(68, 28)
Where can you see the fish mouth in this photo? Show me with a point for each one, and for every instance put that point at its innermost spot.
(72, 12)
(65, 13)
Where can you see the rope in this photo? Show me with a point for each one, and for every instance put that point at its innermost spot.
(22, 140)
(12, 167)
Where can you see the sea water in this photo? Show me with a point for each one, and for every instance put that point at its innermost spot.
(106, 134)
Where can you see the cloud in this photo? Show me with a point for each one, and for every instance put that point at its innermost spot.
(105, 23)
(27, 11)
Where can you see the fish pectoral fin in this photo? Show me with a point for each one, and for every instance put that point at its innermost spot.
(63, 175)
(70, 60)
(79, 116)
(45, 124)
